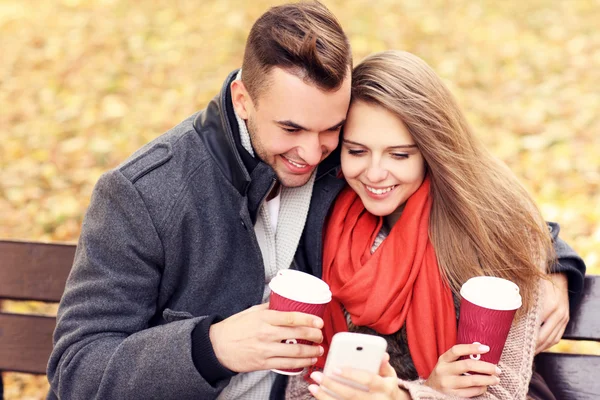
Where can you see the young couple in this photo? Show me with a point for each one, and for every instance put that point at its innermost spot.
(168, 294)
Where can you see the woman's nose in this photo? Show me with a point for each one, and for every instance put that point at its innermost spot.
(376, 174)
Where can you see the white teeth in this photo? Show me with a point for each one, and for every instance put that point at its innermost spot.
(295, 164)
(380, 191)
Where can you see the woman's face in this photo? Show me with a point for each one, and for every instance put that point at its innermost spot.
(380, 160)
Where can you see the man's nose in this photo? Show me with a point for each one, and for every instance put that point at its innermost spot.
(311, 150)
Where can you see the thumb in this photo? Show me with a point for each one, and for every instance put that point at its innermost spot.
(386, 370)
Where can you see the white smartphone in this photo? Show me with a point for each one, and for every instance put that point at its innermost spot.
(355, 350)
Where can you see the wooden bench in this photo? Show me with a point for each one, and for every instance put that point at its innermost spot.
(38, 271)
(30, 272)
(576, 376)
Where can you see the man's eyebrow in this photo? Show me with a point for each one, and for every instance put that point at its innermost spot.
(291, 124)
(294, 125)
(402, 146)
(338, 125)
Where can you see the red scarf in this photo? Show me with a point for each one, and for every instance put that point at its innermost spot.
(399, 283)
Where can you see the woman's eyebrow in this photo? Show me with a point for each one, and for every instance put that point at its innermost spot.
(351, 142)
(401, 146)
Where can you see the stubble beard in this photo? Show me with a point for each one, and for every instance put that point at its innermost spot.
(286, 180)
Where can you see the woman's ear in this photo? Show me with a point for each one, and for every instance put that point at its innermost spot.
(242, 103)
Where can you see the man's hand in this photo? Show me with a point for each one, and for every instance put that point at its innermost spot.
(555, 311)
(251, 340)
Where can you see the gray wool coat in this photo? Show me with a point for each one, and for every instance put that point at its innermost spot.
(167, 243)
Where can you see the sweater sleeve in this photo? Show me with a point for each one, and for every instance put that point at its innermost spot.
(516, 363)
(204, 356)
(104, 344)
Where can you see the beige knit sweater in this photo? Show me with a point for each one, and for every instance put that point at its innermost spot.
(516, 363)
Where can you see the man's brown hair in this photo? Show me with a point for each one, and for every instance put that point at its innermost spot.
(304, 39)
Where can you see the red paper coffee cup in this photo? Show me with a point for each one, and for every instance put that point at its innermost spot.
(293, 290)
(487, 310)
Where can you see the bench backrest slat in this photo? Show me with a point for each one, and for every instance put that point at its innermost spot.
(573, 376)
(585, 321)
(570, 376)
(34, 271)
(25, 342)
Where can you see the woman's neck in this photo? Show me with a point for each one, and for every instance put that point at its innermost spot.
(391, 219)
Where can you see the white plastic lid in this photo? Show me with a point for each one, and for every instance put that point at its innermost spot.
(492, 292)
(300, 286)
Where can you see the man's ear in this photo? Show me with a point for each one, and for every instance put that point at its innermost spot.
(241, 99)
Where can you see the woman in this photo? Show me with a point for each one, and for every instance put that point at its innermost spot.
(426, 208)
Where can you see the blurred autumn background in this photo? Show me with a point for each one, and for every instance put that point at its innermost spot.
(85, 83)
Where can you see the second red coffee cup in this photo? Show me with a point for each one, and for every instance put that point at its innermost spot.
(297, 291)
(487, 310)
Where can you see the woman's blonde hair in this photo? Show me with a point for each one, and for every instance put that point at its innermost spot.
(483, 222)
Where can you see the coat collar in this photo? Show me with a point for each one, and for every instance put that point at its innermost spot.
(218, 129)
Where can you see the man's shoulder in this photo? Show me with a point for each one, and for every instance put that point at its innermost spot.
(169, 157)
(163, 170)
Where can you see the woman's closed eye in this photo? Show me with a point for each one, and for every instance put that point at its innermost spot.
(400, 156)
(355, 152)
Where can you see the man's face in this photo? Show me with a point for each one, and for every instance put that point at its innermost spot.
(295, 125)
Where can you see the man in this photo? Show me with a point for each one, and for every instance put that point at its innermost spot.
(166, 299)
(193, 226)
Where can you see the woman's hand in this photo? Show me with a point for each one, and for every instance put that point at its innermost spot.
(447, 376)
(383, 386)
